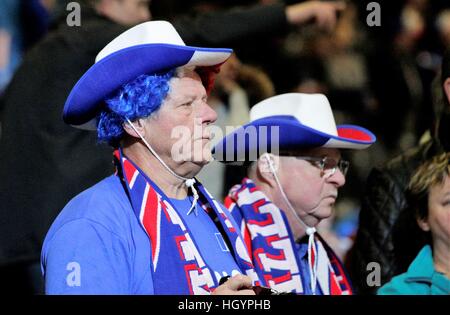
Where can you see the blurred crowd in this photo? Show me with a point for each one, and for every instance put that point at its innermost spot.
(380, 77)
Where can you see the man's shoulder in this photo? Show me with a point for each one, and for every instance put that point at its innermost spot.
(105, 203)
(108, 192)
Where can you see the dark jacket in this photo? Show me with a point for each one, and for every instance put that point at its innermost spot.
(44, 162)
(388, 233)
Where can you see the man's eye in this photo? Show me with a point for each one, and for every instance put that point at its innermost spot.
(186, 104)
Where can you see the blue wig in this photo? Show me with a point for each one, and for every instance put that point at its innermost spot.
(137, 99)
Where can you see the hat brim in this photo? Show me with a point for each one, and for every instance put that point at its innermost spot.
(280, 133)
(110, 73)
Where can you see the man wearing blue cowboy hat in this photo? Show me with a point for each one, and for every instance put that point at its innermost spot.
(150, 228)
(43, 178)
(293, 143)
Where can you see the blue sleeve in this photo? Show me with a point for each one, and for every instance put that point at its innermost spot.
(388, 289)
(84, 257)
(397, 286)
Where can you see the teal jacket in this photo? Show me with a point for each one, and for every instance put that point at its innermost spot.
(420, 279)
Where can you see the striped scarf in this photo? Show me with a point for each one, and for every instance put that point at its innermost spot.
(177, 262)
(270, 242)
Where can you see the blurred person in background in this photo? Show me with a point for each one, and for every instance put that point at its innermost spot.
(385, 222)
(22, 24)
(399, 78)
(443, 27)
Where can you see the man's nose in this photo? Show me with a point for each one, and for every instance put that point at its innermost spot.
(338, 178)
(208, 114)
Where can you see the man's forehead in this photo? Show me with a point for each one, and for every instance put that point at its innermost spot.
(187, 72)
(186, 84)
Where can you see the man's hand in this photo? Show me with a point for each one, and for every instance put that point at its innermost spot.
(324, 13)
(237, 285)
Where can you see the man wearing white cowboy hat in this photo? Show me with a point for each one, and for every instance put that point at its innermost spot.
(150, 228)
(293, 143)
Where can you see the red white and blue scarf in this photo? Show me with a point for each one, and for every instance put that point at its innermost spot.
(269, 239)
(177, 262)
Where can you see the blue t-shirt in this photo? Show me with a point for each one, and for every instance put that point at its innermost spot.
(97, 246)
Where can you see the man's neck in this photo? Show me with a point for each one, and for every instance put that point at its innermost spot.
(172, 186)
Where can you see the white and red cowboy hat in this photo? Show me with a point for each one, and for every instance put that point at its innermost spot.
(299, 121)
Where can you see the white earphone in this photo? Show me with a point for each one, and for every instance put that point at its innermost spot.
(309, 230)
(189, 182)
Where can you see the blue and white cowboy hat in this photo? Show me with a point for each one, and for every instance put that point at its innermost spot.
(147, 48)
(288, 122)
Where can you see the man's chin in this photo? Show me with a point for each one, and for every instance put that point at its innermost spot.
(201, 163)
(202, 160)
(197, 165)
(325, 212)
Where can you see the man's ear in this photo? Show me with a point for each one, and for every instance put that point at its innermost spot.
(423, 224)
(447, 89)
(138, 129)
(267, 165)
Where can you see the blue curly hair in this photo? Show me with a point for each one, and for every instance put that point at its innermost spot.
(137, 99)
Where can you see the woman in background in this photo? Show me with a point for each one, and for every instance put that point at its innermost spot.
(429, 273)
